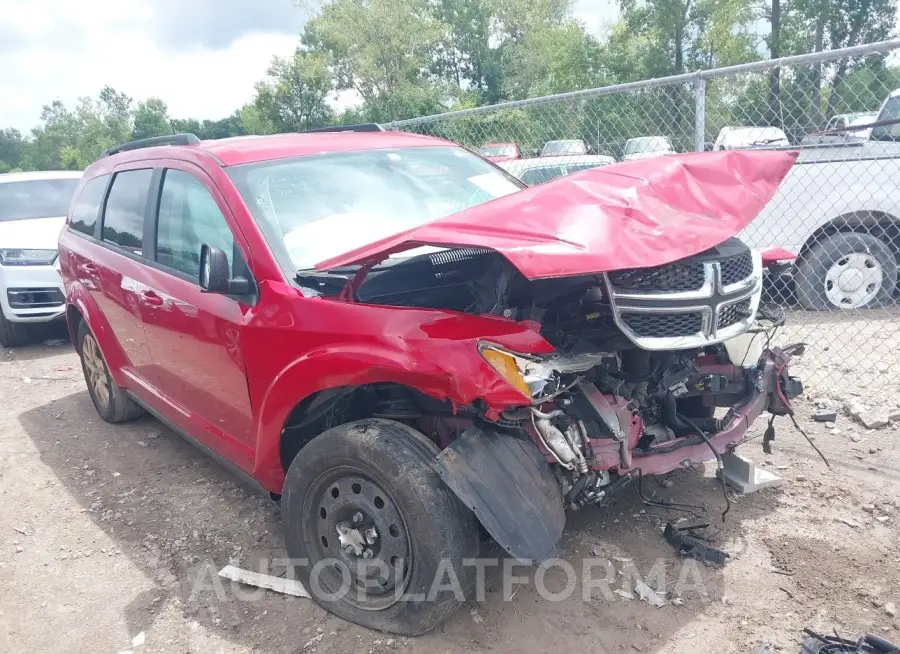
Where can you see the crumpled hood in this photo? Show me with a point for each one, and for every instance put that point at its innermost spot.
(635, 214)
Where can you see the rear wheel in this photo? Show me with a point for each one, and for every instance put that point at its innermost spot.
(847, 270)
(374, 530)
(13, 334)
(110, 401)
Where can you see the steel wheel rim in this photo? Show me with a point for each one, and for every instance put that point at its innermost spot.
(98, 380)
(323, 511)
(854, 280)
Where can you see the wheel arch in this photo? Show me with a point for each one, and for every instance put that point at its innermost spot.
(881, 224)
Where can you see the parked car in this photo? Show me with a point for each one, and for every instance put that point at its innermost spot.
(32, 211)
(544, 169)
(564, 147)
(270, 298)
(740, 138)
(839, 129)
(838, 214)
(644, 147)
(498, 152)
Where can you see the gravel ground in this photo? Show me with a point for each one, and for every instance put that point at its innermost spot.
(109, 536)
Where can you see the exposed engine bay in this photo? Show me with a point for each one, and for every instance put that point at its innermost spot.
(643, 357)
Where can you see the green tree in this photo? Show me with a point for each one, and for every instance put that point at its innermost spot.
(151, 118)
(294, 95)
(382, 49)
(12, 149)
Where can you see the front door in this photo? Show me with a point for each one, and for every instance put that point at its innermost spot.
(195, 337)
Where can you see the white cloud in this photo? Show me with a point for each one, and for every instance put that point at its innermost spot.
(57, 49)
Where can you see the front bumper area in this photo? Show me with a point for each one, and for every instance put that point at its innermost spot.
(772, 390)
(31, 293)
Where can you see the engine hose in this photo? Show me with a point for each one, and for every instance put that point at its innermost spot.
(576, 489)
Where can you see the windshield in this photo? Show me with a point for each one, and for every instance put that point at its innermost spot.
(553, 148)
(890, 111)
(502, 150)
(648, 144)
(40, 198)
(324, 205)
(542, 175)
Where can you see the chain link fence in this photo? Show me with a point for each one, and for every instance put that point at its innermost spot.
(838, 210)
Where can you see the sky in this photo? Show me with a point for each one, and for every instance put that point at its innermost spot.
(201, 56)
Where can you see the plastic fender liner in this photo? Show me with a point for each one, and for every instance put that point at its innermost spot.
(510, 487)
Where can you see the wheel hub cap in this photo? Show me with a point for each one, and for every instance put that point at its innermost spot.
(853, 280)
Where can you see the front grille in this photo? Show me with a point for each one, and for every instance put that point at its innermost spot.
(670, 278)
(731, 314)
(705, 299)
(34, 298)
(736, 269)
(664, 325)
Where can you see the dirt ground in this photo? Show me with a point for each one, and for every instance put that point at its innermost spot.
(107, 533)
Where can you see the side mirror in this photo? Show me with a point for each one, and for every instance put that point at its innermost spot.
(214, 274)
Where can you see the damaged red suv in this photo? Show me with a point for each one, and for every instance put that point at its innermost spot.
(399, 340)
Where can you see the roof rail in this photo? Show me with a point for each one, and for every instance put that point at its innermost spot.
(170, 139)
(363, 127)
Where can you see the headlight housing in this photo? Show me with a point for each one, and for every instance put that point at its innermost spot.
(20, 257)
(528, 374)
(540, 377)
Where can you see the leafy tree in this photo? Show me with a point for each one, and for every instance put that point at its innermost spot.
(12, 149)
(294, 97)
(151, 118)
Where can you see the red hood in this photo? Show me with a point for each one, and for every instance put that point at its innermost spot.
(635, 214)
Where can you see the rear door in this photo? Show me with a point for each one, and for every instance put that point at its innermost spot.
(118, 268)
(195, 337)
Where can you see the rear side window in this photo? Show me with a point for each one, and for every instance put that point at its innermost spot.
(40, 198)
(87, 206)
(188, 218)
(123, 220)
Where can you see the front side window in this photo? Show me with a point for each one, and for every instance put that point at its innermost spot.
(40, 198)
(324, 205)
(123, 219)
(188, 218)
(87, 206)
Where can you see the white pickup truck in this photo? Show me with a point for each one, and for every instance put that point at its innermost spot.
(838, 212)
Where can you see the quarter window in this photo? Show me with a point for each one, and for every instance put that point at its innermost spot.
(87, 206)
(188, 218)
(123, 220)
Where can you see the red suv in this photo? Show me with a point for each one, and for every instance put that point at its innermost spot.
(399, 341)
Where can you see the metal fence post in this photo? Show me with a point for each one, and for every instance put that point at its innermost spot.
(699, 114)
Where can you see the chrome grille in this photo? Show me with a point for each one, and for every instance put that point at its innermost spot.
(735, 269)
(720, 307)
(673, 277)
(733, 313)
(664, 325)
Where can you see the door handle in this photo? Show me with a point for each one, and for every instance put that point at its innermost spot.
(151, 298)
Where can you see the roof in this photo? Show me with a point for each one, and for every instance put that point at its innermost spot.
(36, 175)
(251, 149)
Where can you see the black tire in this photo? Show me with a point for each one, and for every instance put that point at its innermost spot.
(822, 255)
(13, 334)
(434, 526)
(116, 406)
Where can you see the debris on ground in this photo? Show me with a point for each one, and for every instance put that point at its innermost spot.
(647, 594)
(891, 609)
(138, 640)
(277, 584)
(846, 521)
(624, 594)
(868, 644)
(693, 547)
(874, 419)
(825, 416)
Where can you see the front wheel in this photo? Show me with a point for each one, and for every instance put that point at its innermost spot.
(13, 334)
(375, 535)
(847, 270)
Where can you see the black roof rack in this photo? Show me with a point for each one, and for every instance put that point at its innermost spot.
(171, 139)
(363, 127)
